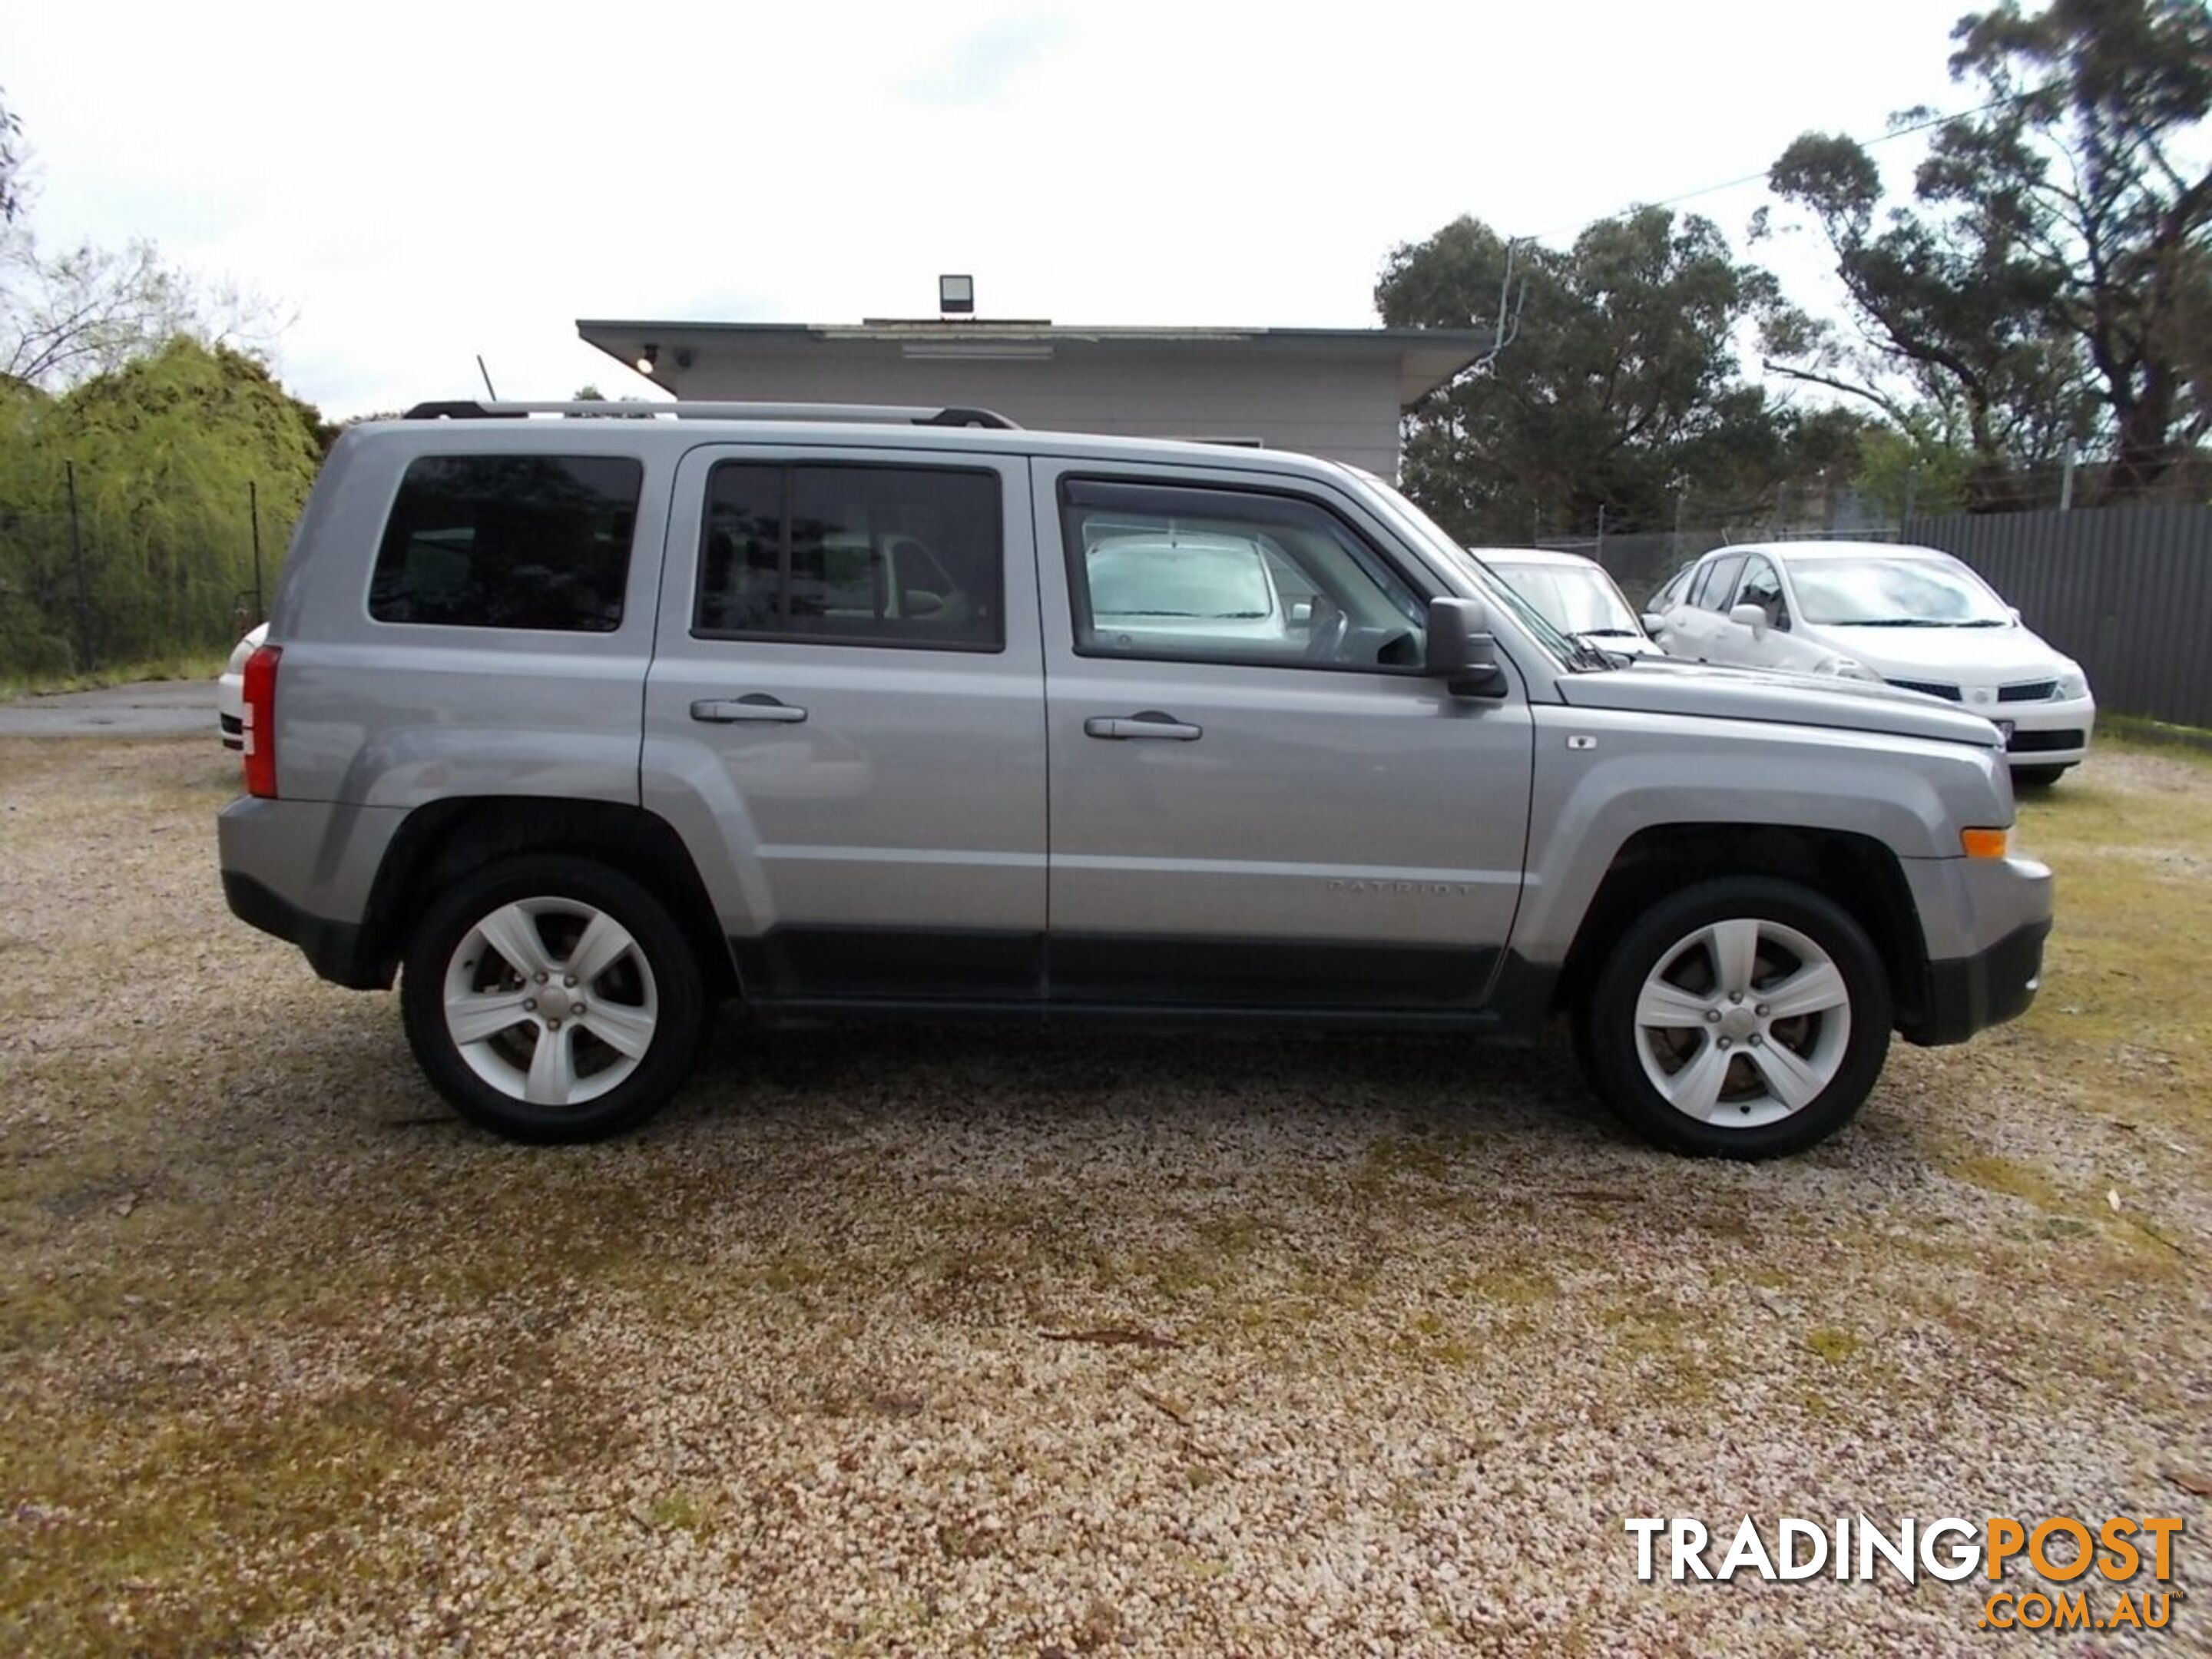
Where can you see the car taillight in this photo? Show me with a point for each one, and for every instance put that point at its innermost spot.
(260, 733)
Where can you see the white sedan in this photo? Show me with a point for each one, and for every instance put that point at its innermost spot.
(1572, 593)
(1912, 615)
(230, 689)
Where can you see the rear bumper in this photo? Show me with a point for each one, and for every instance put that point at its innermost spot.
(334, 948)
(289, 867)
(1967, 994)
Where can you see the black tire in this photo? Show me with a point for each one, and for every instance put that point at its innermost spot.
(2038, 777)
(657, 981)
(1616, 1048)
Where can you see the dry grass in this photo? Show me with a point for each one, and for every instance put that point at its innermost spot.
(290, 1362)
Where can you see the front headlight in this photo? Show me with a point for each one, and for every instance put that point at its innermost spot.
(2072, 684)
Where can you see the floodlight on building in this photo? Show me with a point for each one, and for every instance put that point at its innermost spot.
(956, 294)
(647, 358)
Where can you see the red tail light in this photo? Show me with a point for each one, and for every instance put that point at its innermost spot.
(260, 750)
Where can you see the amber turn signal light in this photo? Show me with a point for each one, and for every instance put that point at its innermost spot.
(1985, 843)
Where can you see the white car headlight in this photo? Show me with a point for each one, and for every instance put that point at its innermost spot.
(2071, 684)
(1846, 668)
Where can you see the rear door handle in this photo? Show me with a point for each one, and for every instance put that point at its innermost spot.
(1150, 723)
(754, 706)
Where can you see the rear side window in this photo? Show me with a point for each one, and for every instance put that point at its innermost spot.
(891, 555)
(509, 541)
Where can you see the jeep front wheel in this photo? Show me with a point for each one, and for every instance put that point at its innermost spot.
(1745, 1017)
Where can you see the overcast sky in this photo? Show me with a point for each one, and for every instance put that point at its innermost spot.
(415, 183)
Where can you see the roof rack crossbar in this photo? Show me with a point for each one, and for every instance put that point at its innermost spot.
(871, 414)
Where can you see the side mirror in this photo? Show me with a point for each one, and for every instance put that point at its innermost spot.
(1302, 613)
(1462, 651)
(1753, 617)
(1652, 621)
(2013, 610)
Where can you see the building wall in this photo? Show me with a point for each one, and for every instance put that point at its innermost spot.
(1343, 408)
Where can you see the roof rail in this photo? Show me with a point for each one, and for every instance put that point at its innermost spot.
(871, 414)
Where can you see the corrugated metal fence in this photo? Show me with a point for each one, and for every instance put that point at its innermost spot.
(2125, 591)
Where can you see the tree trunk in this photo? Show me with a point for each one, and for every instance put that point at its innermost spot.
(2143, 457)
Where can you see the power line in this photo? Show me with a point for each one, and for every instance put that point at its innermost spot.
(1760, 176)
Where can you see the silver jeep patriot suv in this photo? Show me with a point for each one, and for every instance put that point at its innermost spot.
(578, 727)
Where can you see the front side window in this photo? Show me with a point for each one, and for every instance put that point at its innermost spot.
(1229, 575)
(509, 541)
(1762, 587)
(891, 555)
(1713, 589)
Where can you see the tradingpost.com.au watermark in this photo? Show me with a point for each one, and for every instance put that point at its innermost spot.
(2064, 1573)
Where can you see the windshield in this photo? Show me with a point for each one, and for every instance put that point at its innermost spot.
(1423, 528)
(1894, 594)
(1574, 600)
(1149, 578)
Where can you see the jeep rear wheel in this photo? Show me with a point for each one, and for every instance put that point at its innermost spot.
(551, 999)
(1745, 1017)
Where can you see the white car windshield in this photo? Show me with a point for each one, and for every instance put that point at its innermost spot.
(1572, 599)
(1153, 579)
(1894, 594)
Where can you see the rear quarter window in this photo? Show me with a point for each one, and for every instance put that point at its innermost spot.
(509, 541)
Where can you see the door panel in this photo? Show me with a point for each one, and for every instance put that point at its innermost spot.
(850, 712)
(1712, 636)
(1331, 836)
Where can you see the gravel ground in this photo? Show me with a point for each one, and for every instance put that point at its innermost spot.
(977, 1341)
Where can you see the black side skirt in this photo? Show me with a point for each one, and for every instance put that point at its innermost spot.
(810, 972)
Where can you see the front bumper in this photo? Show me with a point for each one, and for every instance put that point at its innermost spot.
(2046, 733)
(1967, 994)
(1983, 922)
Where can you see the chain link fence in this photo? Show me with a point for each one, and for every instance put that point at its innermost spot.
(81, 592)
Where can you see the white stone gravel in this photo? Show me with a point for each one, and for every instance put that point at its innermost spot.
(290, 1363)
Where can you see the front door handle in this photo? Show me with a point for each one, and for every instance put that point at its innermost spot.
(1150, 723)
(754, 706)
